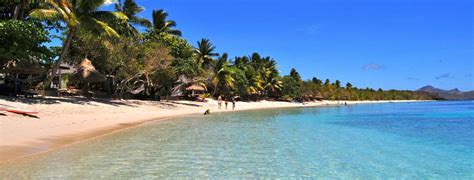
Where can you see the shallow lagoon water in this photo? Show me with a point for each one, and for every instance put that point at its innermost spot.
(433, 140)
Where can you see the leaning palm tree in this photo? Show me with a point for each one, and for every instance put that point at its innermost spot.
(162, 25)
(77, 15)
(205, 52)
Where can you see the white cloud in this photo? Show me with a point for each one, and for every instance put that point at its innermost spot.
(108, 2)
(443, 76)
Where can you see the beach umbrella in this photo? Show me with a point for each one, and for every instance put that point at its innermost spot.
(184, 81)
(87, 73)
(195, 87)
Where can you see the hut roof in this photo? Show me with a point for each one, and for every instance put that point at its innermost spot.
(87, 73)
(195, 88)
(22, 67)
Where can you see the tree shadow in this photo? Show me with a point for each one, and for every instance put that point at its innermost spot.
(57, 100)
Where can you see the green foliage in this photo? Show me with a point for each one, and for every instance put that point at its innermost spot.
(223, 81)
(295, 75)
(162, 25)
(180, 48)
(291, 87)
(156, 61)
(314, 90)
(241, 82)
(23, 40)
(205, 53)
(185, 67)
(130, 8)
(17, 9)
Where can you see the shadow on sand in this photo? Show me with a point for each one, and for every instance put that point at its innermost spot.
(57, 100)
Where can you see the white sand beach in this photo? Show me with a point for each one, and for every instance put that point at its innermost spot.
(64, 121)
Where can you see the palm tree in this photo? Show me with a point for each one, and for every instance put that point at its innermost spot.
(130, 8)
(348, 86)
(273, 85)
(337, 84)
(76, 15)
(271, 77)
(223, 75)
(266, 75)
(161, 25)
(205, 53)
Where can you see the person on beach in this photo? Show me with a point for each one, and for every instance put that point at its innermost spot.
(219, 102)
(226, 102)
(233, 104)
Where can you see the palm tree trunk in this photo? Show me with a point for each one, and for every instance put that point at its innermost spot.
(147, 85)
(16, 12)
(66, 45)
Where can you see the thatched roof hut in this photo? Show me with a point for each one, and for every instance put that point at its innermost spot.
(195, 87)
(185, 83)
(87, 73)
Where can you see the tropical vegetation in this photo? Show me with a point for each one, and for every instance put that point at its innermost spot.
(148, 59)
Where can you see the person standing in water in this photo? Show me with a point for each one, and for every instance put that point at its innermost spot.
(219, 102)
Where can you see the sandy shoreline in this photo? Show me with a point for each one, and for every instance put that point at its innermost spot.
(64, 121)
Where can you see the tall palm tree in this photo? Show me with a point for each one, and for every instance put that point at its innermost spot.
(77, 14)
(272, 82)
(205, 52)
(162, 25)
(223, 79)
(130, 8)
(266, 79)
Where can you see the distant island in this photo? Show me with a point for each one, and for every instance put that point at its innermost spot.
(453, 94)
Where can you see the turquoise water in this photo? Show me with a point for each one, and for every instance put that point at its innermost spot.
(428, 140)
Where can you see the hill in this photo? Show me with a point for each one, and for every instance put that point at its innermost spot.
(453, 94)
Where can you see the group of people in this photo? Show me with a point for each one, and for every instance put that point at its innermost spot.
(226, 102)
(219, 104)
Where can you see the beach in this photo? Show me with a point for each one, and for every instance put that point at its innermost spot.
(64, 121)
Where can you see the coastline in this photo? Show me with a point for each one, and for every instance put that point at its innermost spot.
(67, 121)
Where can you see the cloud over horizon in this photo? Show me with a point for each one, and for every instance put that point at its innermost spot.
(443, 76)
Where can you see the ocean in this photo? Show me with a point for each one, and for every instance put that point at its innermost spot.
(420, 140)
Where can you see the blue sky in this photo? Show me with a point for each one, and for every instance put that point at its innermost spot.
(390, 44)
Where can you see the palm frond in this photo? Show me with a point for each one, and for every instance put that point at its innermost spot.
(98, 26)
(87, 6)
(141, 21)
(174, 32)
(44, 14)
(108, 16)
